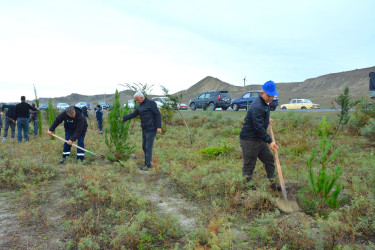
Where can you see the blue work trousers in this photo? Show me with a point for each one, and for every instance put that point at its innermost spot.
(67, 148)
(22, 124)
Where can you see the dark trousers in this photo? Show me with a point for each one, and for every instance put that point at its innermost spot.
(12, 128)
(100, 124)
(22, 124)
(67, 148)
(251, 151)
(147, 145)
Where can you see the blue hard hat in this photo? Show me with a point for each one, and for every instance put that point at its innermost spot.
(270, 88)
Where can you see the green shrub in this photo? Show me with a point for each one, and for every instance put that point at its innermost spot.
(324, 187)
(369, 130)
(215, 152)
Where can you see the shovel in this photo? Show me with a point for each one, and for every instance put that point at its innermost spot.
(58, 137)
(284, 205)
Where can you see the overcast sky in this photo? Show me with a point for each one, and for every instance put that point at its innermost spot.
(91, 47)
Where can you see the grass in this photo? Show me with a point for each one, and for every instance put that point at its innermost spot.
(104, 205)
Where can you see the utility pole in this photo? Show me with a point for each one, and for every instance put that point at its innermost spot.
(244, 80)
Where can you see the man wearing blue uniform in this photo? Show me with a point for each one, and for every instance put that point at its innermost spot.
(9, 121)
(75, 126)
(99, 118)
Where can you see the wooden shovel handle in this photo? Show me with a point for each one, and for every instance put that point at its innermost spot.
(62, 139)
(278, 166)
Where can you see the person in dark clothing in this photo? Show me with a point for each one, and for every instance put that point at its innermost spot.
(99, 117)
(1, 123)
(254, 140)
(34, 118)
(75, 126)
(22, 115)
(9, 121)
(84, 111)
(150, 123)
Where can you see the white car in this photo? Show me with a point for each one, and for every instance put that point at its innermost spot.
(161, 100)
(131, 104)
(62, 106)
(80, 104)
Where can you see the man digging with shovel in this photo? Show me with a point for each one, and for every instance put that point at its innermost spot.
(75, 126)
(254, 140)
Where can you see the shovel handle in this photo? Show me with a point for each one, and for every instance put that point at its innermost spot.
(279, 167)
(62, 139)
(10, 118)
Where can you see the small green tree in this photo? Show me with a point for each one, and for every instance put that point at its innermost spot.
(51, 113)
(118, 131)
(168, 108)
(345, 105)
(40, 122)
(323, 185)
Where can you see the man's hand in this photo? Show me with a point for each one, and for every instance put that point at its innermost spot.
(2, 114)
(273, 145)
(69, 142)
(37, 108)
(158, 130)
(271, 121)
(49, 133)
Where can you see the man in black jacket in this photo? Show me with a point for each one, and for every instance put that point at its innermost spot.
(9, 121)
(150, 123)
(254, 140)
(22, 117)
(75, 126)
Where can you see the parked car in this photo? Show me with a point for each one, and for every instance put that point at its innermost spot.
(212, 100)
(161, 100)
(131, 104)
(300, 104)
(80, 104)
(246, 99)
(43, 106)
(183, 106)
(62, 106)
(104, 105)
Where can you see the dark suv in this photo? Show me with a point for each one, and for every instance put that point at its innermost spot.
(212, 100)
(246, 99)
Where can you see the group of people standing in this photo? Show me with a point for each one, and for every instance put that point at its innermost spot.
(19, 115)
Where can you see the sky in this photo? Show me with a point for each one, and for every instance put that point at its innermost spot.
(93, 47)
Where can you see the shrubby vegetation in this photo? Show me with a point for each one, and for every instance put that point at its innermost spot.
(112, 205)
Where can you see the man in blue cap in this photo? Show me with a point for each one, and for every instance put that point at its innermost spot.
(254, 140)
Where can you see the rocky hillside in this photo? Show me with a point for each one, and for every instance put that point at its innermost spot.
(322, 89)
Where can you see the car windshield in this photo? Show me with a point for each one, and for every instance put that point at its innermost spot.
(224, 95)
(308, 101)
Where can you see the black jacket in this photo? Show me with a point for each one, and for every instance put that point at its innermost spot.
(79, 123)
(256, 121)
(22, 110)
(11, 112)
(149, 113)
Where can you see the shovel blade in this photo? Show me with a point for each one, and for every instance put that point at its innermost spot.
(287, 206)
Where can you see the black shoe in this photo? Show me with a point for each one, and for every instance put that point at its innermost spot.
(145, 168)
(277, 187)
(62, 160)
(80, 161)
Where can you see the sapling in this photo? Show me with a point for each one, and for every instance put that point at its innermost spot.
(40, 123)
(119, 147)
(51, 113)
(324, 185)
(345, 104)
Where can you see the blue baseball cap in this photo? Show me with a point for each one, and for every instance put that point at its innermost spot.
(270, 88)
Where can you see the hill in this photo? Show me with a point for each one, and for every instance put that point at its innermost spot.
(322, 89)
